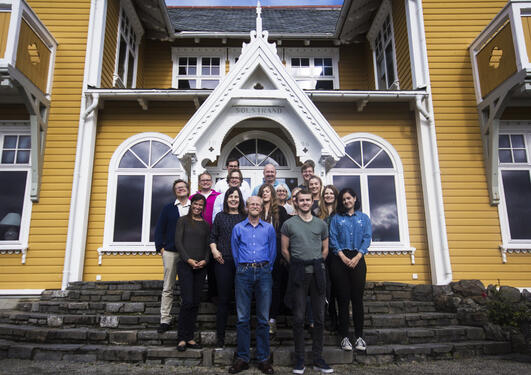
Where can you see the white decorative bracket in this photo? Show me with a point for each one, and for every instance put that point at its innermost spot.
(513, 249)
(393, 251)
(102, 252)
(22, 251)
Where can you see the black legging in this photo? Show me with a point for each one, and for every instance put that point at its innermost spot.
(349, 284)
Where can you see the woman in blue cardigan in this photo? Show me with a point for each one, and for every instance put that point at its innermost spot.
(350, 237)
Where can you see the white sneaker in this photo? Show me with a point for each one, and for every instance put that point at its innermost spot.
(346, 345)
(360, 344)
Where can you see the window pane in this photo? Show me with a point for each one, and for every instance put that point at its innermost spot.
(8, 157)
(305, 62)
(209, 83)
(24, 141)
(384, 213)
(381, 161)
(345, 162)
(505, 156)
(389, 64)
(130, 70)
(121, 58)
(354, 151)
(504, 141)
(23, 157)
(168, 161)
(517, 141)
(161, 195)
(157, 150)
(142, 151)
(182, 70)
(352, 182)
(248, 148)
(369, 151)
(186, 84)
(520, 156)
(130, 161)
(279, 158)
(324, 85)
(265, 147)
(129, 209)
(10, 141)
(12, 190)
(517, 188)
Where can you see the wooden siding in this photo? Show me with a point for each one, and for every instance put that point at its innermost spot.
(13, 112)
(33, 57)
(109, 49)
(117, 122)
(493, 69)
(5, 17)
(157, 65)
(472, 223)
(526, 25)
(403, 61)
(68, 23)
(396, 124)
(353, 67)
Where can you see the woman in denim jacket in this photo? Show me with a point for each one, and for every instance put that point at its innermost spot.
(350, 237)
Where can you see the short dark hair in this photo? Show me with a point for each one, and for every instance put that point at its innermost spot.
(241, 204)
(230, 160)
(204, 173)
(341, 209)
(302, 191)
(195, 198)
(178, 182)
(308, 164)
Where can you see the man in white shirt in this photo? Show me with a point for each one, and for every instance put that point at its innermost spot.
(270, 177)
(223, 185)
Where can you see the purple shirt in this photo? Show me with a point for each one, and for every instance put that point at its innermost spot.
(252, 244)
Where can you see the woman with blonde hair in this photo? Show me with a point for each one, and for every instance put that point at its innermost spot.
(315, 185)
(283, 195)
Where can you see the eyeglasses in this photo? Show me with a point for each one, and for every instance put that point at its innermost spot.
(235, 178)
(209, 180)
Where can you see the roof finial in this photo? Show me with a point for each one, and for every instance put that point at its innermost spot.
(258, 19)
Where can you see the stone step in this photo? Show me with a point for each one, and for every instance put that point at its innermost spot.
(281, 355)
(208, 337)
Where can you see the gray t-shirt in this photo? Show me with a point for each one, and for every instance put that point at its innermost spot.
(305, 238)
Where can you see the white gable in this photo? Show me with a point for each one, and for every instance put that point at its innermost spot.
(259, 86)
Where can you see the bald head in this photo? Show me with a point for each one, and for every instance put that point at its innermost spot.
(270, 174)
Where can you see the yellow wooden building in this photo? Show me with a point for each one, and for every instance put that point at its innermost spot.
(422, 106)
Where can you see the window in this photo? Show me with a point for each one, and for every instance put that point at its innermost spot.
(129, 35)
(313, 68)
(373, 169)
(382, 42)
(258, 152)
(514, 151)
(198, 68)
(141, 175)
(15, 175)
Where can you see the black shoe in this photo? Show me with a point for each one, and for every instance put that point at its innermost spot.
(163, 327)
(220, 344)
(266, 367)
(181, 348)
(238, 365)
(193, 346)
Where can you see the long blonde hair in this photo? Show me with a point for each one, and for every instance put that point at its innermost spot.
(272, 214)
(323, 209)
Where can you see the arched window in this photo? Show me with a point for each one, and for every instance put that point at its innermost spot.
(141, 175)
(372, 168)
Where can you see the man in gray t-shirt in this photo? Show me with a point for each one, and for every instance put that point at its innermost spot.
(305, 246)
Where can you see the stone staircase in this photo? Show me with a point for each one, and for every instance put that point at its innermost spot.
(117, 321)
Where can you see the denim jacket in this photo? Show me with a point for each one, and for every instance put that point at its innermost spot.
(350, 232)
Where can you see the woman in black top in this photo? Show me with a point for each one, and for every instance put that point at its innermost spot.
(276, 215)
(191, 241)
(233, 213)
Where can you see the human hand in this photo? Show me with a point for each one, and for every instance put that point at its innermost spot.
(192, 263)
(354, 261)
(218, 257)
(201, 263)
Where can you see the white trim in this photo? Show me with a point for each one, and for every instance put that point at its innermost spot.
(22, 292)
(384, 11)
(199, 52)
(415, 32)
(145, 246)
(312, 53)
(19, 246)
(381, 248)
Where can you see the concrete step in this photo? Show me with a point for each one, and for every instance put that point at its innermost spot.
(282, 355)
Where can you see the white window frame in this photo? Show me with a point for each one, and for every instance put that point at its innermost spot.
(376, 28)
(312, 54)
(508, 244)
(198, 53)
(403, 246)
(19, 246)
(127, 8)
(144, 246)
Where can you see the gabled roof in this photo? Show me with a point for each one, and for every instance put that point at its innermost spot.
(277, 20)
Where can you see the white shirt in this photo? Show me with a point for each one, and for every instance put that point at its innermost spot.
(183, 208)
(222, 186)
(218, 203)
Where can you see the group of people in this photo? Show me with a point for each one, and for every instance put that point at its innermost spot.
(297, 250)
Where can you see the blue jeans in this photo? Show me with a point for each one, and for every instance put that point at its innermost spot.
(247, 281)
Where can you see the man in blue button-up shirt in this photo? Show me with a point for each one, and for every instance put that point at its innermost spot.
(254, 250)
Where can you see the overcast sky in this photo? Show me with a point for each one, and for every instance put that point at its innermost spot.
(253, 2)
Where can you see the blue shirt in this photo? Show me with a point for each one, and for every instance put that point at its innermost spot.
(350, 232)
(165, 229)
(252, 244)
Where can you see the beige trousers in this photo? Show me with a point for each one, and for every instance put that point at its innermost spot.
(169, 260)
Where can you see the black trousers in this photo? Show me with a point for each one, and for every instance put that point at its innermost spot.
(225, 285)
(191, 282)
(299, 308)
(349, 284)
(280, 283)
